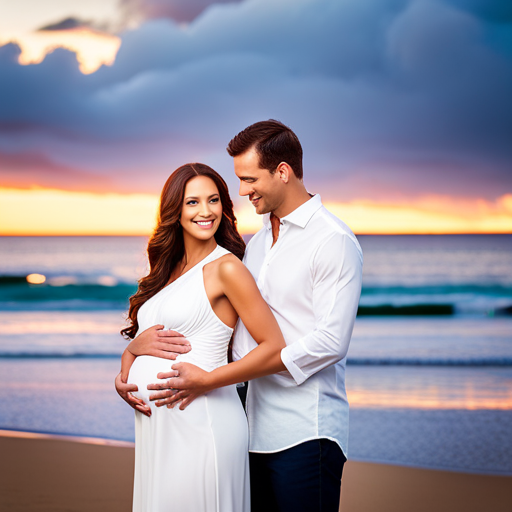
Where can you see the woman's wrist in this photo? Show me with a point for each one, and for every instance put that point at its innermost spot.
(127, 359)
(129, 349)
(210, 381)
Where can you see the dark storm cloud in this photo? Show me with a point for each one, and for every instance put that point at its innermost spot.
(496, 11)
(402, 97)
(66, 24)
(177, 10)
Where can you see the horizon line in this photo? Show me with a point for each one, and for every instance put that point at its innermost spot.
(63, 235)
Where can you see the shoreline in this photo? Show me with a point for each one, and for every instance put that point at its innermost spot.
(103, 441)
(52, 473)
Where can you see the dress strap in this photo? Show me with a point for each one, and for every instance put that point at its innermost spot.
(215, 254)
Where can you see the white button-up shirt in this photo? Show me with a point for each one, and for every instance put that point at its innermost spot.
(311, 279)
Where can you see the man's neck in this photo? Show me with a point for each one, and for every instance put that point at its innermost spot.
(292, 202)
(275, 222)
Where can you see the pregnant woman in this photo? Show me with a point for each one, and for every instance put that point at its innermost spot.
(195, 460)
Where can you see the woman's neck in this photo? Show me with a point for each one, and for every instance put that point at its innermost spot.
(196, 250)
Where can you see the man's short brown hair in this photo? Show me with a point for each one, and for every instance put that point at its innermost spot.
(274, 143)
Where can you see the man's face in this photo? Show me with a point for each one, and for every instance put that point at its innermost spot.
(265, 190)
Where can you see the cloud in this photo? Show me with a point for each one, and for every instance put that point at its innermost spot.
(394, 98)
(67, 24)
(495, 11)
(27, 170)
(182, 11)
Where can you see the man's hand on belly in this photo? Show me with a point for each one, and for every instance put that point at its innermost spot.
(158, 342)
(185, 383)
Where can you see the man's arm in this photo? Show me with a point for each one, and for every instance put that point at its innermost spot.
(337, 278)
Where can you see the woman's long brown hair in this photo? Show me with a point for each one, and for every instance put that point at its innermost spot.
(166, 247)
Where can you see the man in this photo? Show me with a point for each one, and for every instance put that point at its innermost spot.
(308, 267)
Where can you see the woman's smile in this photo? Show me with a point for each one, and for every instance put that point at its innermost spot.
(204, 224)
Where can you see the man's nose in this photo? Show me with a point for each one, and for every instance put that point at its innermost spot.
(244, 190)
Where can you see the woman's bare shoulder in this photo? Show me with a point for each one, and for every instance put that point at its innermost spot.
(229, 267)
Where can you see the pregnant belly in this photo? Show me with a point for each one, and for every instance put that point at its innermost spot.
(144, 371)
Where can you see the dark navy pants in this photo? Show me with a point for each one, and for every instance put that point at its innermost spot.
(305, 478)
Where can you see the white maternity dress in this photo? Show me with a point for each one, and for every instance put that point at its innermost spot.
(193, 460)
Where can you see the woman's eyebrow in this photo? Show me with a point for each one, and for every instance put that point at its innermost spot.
(195, 197)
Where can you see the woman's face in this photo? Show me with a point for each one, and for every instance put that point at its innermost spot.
(201, 212)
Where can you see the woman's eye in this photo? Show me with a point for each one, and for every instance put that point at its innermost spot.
(214, 200)
(191, 203)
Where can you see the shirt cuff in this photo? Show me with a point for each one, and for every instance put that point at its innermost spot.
(287, 357)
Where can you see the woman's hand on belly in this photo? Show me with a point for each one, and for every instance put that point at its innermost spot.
(125, 392)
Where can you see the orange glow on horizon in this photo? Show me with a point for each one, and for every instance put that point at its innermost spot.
(429, 215)
(92, 48)
(58, 212)
(42, 212)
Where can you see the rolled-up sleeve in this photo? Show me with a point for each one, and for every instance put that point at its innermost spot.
(336, 273)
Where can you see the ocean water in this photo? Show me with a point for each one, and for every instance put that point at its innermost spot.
(429, 372)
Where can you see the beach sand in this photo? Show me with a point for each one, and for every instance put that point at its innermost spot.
(369, 487)
(53, 474)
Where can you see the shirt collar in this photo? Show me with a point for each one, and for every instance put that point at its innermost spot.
(266, 221)
(301, 215)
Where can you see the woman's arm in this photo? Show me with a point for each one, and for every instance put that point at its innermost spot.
(243, 294)
(127, 360)
(241, 290)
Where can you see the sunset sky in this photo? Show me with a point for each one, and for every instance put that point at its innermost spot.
(403, 107)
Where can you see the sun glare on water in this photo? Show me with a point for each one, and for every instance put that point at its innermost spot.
(36, 278)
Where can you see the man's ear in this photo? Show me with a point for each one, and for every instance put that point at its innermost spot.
(284, 171)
